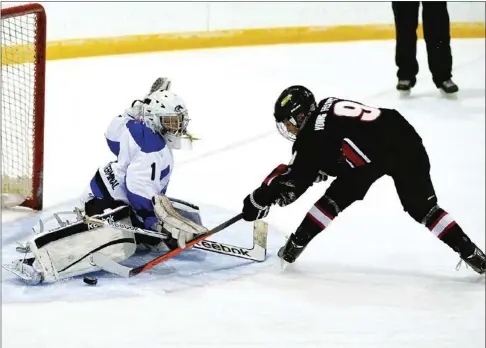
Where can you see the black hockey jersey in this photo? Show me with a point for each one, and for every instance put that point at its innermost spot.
(342, 135)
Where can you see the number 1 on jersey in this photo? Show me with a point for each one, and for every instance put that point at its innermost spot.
(351, 109)
(153, 171)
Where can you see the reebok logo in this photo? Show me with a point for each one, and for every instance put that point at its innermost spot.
(223, 248)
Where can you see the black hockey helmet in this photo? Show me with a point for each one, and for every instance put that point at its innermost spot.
(292, 108)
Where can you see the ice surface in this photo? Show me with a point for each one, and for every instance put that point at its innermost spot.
(374, 279)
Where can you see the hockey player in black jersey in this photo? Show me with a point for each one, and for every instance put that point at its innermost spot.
(357, 144)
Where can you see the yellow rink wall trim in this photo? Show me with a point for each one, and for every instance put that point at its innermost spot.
(93, 47)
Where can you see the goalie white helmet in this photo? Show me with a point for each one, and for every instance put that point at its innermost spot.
(166, 113)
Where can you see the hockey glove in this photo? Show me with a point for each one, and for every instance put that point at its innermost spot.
(281, 189)
(162, 84)
(287, 193)
(281, 169)
(254, 207)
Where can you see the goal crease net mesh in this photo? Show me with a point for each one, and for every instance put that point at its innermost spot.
(21, 148)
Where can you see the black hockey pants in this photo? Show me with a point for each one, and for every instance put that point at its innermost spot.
(410, 172)
(436, 34)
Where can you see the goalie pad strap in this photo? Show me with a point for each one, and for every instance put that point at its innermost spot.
(78, 227)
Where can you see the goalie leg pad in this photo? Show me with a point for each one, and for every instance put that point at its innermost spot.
(64, 251)
(68, 256)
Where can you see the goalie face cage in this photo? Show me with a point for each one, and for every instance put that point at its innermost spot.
(23, 86)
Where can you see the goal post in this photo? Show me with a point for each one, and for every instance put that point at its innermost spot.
(23, 33)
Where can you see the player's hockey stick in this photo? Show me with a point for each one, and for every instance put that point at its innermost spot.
(113, 267)
(256, 253)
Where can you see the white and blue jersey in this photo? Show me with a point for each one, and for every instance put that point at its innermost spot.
(142, 169)
(116, 128)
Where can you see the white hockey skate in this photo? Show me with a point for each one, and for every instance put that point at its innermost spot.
(24, 270)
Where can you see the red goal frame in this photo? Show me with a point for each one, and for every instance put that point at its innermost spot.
(35, 202)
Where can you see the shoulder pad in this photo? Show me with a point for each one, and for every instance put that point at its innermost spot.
(144, 137)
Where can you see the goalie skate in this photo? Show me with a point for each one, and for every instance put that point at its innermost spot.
(24, 270)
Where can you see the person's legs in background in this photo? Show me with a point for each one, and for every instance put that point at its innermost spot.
(437, 37)
(406, 22)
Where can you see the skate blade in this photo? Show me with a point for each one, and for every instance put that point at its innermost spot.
(404, 94)
(21, 271)
(283, 265)
(450, 96)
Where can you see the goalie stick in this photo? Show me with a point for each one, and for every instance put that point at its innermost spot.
(256, 253)
(89, 220)
(113, 267)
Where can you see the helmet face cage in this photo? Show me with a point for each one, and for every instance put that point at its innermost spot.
(165, 113)
(282, 129)
(175, 123)
(298, 124)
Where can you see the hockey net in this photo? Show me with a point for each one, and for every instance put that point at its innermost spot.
(23, 80)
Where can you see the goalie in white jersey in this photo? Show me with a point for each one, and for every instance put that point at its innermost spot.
(132, 187)
(143, 138)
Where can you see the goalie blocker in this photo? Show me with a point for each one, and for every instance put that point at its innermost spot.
(101, 242)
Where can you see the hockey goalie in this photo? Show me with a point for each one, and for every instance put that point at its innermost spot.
(124, 208)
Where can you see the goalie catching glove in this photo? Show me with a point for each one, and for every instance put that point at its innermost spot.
(181, 228)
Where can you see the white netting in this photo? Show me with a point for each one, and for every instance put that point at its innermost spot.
(18, 92)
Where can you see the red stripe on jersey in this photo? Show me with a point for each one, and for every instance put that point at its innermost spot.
(324, 212)
(316, 221)
(352, 156)
(446, 229)
(276, 172)
(437, 221)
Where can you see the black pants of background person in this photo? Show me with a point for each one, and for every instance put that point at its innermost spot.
(436, 31)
